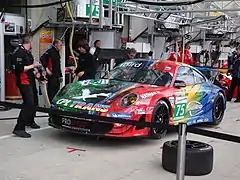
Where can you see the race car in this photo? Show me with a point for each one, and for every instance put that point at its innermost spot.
(163, 92)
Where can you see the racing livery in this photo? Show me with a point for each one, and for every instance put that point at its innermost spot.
(163, 92)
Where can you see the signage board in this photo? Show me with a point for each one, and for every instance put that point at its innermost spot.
(83, 7)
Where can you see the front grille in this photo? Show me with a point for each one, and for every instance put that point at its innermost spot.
(81, 125)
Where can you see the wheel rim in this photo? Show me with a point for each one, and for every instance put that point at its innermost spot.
(191, 144)
(161, 117)
(218, 109)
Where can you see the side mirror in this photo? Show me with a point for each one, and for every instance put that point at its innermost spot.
(179, 84)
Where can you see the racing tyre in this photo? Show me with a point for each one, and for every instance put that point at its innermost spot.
(218, 109)
(161, 116)
(199, 158)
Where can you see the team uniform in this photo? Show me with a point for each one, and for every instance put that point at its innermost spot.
(27, 86)
(51, 60)
(187, 57)
(235, 70)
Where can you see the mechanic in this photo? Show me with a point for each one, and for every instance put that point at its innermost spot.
(23, 66)
(235, 70)
(52, 64)
(86, 68)
(231, 60)
(95, 51)
(131, 54)
(187, 56)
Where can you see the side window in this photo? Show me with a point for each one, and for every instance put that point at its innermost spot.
(185, 74)
(199, 79)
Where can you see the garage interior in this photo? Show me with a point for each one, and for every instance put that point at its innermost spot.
(210, 28)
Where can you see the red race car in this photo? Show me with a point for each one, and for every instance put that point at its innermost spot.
(163, 92)
(219, 77)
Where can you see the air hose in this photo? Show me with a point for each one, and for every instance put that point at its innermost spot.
(71, 40)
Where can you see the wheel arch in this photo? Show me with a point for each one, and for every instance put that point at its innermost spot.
(168, 103)
(224, 94)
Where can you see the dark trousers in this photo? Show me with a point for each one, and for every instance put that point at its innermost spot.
(30, 101)
(235, 82)
(53, 87)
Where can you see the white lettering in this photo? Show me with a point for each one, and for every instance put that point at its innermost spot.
(63, 101)
(150, 94)
(131, 64)
(66, 121)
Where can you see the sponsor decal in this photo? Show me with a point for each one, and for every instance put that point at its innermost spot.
(85, 82)
(131, 64)
(120, 115)
(181, 99)
(167, 68)
(149, 94)
(194, 108)
(83, 105)
(201, 120)
(141, 111)
(171, 100)
(180, 93)
(87, 94)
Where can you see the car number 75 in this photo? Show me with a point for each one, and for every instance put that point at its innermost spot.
(179, 110)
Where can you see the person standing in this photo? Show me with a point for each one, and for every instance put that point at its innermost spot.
(130, 54)
(86, 68)
(23, 67)
(95, 51)
(52, 64)
(235, 70)
(188, 59)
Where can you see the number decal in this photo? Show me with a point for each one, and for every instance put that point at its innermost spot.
(179, 110)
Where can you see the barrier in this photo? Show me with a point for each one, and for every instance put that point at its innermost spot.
(193, 130)
(182, 131)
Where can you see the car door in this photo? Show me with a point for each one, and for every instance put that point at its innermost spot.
(184, 96)
(199, 107)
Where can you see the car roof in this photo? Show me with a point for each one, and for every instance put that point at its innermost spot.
(158, 62)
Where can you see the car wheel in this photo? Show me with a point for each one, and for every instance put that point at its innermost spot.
(199, 157)
(160, 116)
(218, 109)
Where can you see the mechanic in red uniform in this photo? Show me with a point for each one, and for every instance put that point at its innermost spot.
(187, 56)
(51, 62)
(23, 66)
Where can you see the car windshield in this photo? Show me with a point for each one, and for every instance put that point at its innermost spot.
(140, 72)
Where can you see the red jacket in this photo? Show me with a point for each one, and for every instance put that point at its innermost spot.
(187, 57)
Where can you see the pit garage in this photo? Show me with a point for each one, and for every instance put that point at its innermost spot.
(160, 31)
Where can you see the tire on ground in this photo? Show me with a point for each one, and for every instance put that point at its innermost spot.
(199, 158)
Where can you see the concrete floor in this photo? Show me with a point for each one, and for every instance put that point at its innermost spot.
(45, 155)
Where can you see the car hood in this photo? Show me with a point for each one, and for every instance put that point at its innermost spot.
(96, 91)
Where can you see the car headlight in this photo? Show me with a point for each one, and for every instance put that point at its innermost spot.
(64, 90)
(128, 100)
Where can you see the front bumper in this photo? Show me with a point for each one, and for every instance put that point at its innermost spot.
(93, 127)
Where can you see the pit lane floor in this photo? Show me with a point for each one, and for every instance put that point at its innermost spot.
(45, 155)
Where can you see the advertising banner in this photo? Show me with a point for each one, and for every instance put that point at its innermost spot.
(45, 39)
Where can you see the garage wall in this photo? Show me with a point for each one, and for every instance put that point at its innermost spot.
(39, 15)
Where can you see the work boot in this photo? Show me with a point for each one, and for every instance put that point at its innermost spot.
(21, 133)
(34, 126)
(237, 101)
